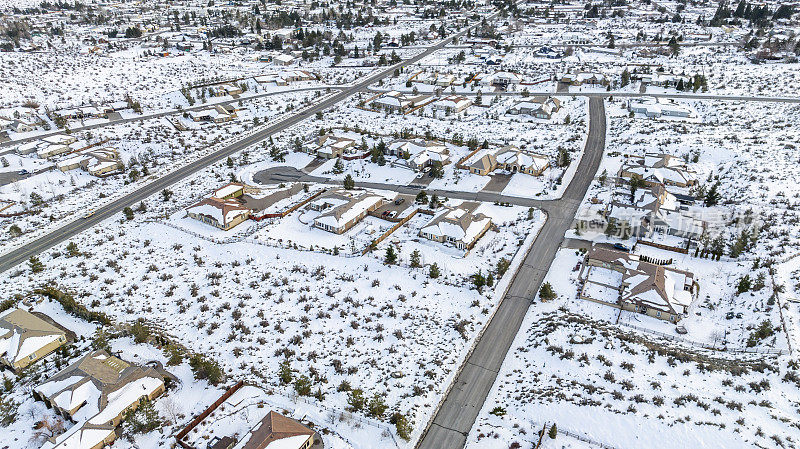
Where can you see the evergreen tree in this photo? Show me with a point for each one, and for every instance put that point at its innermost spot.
(285, 372)
(434, 271)
(553, 433)
(349, 183)
(713, 196)
(35, 264)
(415, 259)
(391, 256)
(546, 293)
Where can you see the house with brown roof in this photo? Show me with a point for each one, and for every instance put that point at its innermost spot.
(511, 159)
(276, 431)
(629, 282)
(220, 213)
(345, 215)
(329, 146)
(96, 391)
(458, 227)
(26, 338)
(659, 168)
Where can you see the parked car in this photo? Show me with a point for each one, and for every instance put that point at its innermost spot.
(399, 201)
(621, 247)
(23, 172)
(392, 214)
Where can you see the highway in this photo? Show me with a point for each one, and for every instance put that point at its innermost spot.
(21, 254)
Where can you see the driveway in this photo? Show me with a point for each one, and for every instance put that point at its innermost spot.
(497, 182)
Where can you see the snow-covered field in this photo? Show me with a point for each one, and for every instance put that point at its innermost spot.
(612, 385)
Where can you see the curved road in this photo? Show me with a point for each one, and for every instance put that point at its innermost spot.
(463, 400)
(19, 255)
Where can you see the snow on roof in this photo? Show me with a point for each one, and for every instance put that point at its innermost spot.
(457, 224)
(120, 400)
(79, 437)
(223, 211)
(344, 213)
(293, 442)
(227, 190)
(52, 387)
(85, 394)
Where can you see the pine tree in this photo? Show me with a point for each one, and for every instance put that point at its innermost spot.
(285, 372)
(349, 183)
(338, 167)
(415, 259)
(553, 432)
(713, 196)
(546, 293)
(391, 256)
(35, 264)
(434, 271)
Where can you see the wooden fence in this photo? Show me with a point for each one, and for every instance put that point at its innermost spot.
(378, 240)
(664, 247)
(182, 434)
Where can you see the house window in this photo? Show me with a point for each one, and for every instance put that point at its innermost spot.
(32, 356)
(658, 314)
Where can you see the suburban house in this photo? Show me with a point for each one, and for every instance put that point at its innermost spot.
(329, 146)
(653, 210)
(453, 104)
(397, 102)
(26, 338)
(625, 281)
(96, 391)
(658, 107)
(283, 59)
(216, 114)
(285, 77)
(222, 90)
(458, 227)
(512, 159)
(52, 146)
(220, 213)
(659, 168)
(539, 107)
(97, 162)
(276, 431)
(434, 79)
(419, 154)
(345, 215)
(501, 79)
(60, 139)
(660, 79)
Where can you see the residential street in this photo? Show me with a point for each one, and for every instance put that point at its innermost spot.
(467, 393)
(19, 255)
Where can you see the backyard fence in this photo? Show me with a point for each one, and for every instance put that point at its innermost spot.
(775, 352)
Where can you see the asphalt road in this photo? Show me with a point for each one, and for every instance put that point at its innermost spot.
(157, 115)
(19, 255)
(686, 96)
(457, 414)
(454, 419)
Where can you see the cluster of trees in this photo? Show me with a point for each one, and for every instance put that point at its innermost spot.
(758, 15)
